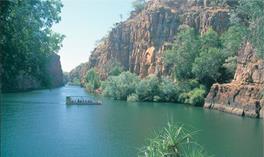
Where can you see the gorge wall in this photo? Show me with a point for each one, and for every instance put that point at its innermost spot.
(24, 82)
(139, 42)
(245, 94)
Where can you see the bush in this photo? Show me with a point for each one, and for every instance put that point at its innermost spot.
(120, 87)
(196, 96)
(191, 92)
(92, 80)
(133, 98)
(206, 67)
(173, 141)
(148, 88)
(157, 98)
(168, 91)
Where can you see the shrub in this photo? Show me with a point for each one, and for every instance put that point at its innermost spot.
(167, 90)
(157, 98)
(173, 141)
(92, 80)
(196, 96)
(191, 92)
(133, 98)
(119, 87)
(113, 68)
(148, 88)
(206, 67)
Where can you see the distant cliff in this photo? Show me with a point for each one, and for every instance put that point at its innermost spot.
(24, 82)
(245, 94)
(139, 42)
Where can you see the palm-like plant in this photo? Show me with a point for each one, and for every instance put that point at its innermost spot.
(172, 141)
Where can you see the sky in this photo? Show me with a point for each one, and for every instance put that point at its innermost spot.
(84, 22)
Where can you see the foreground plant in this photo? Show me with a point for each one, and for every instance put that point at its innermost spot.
(172, 141)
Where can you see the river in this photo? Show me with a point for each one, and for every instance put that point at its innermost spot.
(39, 124)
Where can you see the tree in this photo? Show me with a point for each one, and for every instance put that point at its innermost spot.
(206, 67)
(232, 39)
(168, 90)
(120, 87)
(148, 88)
(251, 14)
(92, 80)
(26, 38)
(210, 39)
(138, 5)
(183, 53)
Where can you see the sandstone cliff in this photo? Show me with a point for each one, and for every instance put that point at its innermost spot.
(245, 94)
(139, 42)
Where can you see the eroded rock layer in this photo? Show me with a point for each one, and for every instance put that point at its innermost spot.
(245, 94)
(138, 43)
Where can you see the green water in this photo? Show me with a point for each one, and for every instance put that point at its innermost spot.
(39, 124)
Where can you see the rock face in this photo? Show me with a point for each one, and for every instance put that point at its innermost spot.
(245, 94)
(78, 72)
(53, 67)
(24, 82)
(138, 43)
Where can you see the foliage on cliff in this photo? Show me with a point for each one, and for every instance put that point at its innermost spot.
(202, 57)
(250, 13)
(187, 46)
(26, 39)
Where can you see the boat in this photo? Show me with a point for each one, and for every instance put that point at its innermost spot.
(81, 100)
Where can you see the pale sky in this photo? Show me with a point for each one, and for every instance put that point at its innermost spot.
(84, 22)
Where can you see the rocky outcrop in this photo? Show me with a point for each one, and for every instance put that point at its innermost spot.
(245, 94)
(138, 43)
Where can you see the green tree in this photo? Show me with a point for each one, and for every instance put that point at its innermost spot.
(120, 87)
(251, 14)
(138, 5)
(168, 90)
(210, 39)
(148, 88)
(92, 80)
(195, 97)
(26, 38)
(206, 67)
(232, 39)
(183, 53)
